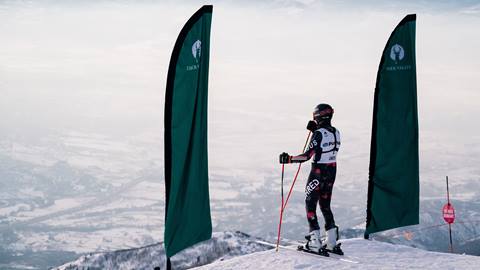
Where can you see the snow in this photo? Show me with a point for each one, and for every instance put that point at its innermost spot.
(361, 254)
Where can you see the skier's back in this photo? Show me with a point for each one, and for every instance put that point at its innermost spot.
(323, 147)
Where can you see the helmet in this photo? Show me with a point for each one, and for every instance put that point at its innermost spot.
(322, 112)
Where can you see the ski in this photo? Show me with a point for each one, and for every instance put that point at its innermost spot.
(321, 252)
(292, 248)
(314, 254)
(336, 250)
(334, 255)
(342, 258)
(308, 253)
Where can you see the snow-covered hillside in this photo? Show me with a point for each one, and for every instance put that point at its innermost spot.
(223, 245)
(240, 251)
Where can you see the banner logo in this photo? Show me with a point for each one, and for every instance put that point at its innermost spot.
(197, 50)
(397, 53)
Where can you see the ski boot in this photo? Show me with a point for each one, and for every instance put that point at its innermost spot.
(314, 244)
(331, 242)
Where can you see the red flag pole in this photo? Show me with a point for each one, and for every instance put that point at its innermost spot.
(448, 192)
(449, 224)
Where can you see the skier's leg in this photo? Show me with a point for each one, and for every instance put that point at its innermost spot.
(326, 187)
(312, 194)
(325, 199)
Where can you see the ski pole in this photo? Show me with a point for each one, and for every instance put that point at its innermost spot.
(296, 174)
(282, 208)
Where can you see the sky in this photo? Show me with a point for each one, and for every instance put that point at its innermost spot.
(89, 65)
(99, 68)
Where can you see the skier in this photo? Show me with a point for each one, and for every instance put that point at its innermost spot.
(323, 147)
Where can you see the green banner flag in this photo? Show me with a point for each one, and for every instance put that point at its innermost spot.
(393, 186)
(187, 202)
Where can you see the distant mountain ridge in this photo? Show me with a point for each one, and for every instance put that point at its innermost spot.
(223, 245)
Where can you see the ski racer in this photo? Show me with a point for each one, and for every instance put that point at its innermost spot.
(323, 148)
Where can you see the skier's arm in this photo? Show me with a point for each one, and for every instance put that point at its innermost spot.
(302, 157)
(316, 139)
(285, 158)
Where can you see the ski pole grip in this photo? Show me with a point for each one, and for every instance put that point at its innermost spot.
(284, 158)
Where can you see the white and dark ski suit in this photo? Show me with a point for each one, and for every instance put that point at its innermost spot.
(323, 147)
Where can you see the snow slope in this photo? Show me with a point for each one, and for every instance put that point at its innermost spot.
(362, 254)
(239, 251)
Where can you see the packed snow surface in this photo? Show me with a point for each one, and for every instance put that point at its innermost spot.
(360, 254)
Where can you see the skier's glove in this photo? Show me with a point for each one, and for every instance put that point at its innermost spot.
(285, 158)
(312, 125)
